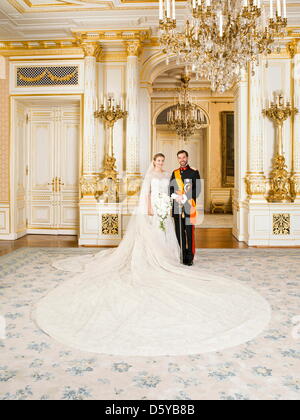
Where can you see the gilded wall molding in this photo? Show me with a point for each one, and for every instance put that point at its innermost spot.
(83, 41)
(113, 35)
(174, 89)
(112, 56)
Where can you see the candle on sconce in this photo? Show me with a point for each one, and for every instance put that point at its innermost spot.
(173, 10)
(284, 9)
(161, 10)
(168, 9)
(279, 7)
(271, 9)
(221, 24)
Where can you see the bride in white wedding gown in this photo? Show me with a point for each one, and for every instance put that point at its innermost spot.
(138, 299)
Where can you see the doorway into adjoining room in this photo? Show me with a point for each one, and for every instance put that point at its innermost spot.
(210, 148)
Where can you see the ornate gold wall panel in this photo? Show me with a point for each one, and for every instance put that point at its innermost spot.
(110, 224)
(282, 224)
(4, 138)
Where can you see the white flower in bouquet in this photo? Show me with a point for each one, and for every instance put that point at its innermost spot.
(162, 205)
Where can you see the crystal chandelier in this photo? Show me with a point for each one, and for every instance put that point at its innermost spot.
(221, 36)
(186, 117)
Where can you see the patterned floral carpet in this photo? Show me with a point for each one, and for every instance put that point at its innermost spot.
(33, 366)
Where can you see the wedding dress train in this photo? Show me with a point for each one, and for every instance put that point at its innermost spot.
(138, 299)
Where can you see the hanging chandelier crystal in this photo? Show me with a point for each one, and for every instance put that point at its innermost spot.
(185, 117)
(221, 36)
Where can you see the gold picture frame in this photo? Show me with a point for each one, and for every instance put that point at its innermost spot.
(227, 138)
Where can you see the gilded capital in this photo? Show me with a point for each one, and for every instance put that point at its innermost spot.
(292, 48)
(91, 49)
(255, 184)
(133, 48)
(88, 185)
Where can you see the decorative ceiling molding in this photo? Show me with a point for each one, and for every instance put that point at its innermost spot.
(140, 34)
(56, 19)
(26, 6)
(36, 6)
(75, 44)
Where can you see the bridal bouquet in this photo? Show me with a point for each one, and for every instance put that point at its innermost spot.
(162, 204)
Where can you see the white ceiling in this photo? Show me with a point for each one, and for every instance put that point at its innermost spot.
(55, 19)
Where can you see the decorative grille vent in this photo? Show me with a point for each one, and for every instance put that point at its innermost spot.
(47, 76)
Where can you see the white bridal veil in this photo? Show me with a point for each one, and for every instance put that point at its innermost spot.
(137, 299)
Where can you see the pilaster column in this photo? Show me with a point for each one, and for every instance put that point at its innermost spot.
(240, 136)
(145, 126)
(295, 119)
(90, 170)
(255, 179)
(132, 91)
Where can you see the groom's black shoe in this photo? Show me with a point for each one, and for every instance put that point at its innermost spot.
(189, 261)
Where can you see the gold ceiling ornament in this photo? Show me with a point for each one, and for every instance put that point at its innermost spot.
(221, 37)
(186, 117)
(279, 111)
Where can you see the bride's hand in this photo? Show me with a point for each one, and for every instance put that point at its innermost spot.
(150, 213)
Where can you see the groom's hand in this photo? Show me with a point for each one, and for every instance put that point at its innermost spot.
(180, 198)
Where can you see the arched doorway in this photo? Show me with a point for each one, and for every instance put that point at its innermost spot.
(166, 141)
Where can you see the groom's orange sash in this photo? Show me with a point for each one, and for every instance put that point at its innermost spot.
(180, 183)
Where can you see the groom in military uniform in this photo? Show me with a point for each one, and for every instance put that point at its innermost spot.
(184, 189)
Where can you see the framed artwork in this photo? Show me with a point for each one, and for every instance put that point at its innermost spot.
(227, 136)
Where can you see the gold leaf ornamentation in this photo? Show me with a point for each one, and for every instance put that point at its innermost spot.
(110, 224)
(281, 224)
